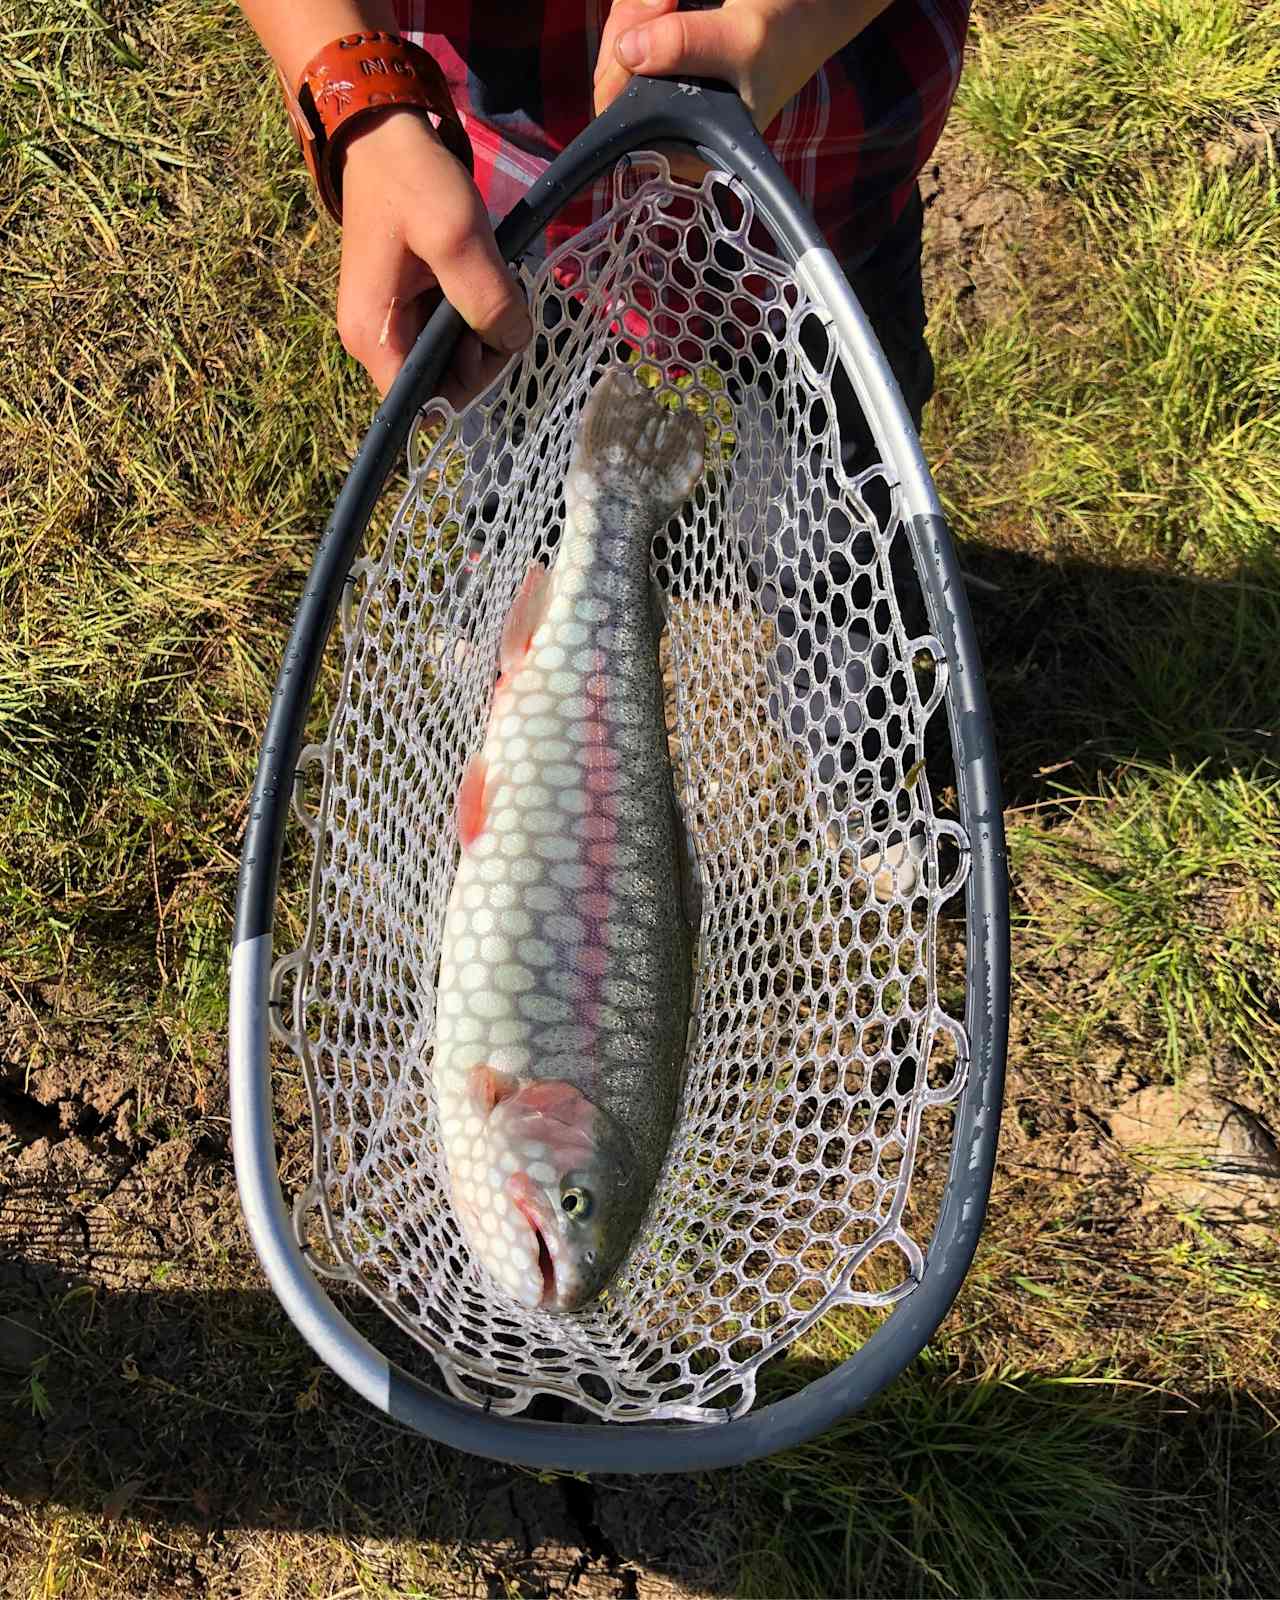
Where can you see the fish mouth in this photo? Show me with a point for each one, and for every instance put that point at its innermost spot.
(525, 1196)
(547, 1267)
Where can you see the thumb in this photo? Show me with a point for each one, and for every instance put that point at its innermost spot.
(697, 44)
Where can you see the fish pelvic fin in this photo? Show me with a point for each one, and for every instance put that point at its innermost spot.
(632, 447)
(472, 807)
(525, 618)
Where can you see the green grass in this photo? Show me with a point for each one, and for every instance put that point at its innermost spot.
(1137, 416)
(1098, 1415)
(1123, 412)
(966, 1486)
(1083, 95)
(977, 1478)
(171, 433)
(1171, 881)
(1127, 403)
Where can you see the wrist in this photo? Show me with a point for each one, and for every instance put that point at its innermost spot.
(826, 26)
(388, 139)
(800, 37)
(355, 82)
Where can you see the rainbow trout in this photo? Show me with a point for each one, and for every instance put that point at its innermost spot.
(565, 968)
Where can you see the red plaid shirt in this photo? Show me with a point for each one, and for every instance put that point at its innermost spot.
(852, 142)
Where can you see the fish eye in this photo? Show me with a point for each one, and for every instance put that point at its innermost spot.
(576, 1203)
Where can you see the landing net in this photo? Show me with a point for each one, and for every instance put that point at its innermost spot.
(798, 701)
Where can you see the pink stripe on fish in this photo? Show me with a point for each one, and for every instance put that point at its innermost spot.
(600, 829)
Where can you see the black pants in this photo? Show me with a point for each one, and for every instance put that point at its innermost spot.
(889, 286)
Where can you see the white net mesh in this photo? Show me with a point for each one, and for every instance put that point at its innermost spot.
(797, 709)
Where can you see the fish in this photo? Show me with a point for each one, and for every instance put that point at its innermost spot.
(564, 990)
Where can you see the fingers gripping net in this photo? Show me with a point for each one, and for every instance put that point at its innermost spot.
(797, 707)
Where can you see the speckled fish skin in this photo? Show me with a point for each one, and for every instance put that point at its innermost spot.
(565, 976)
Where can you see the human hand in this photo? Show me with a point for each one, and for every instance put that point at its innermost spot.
(767, 49)
(413, 227)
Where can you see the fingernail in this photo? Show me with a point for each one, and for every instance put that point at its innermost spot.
(631, 47)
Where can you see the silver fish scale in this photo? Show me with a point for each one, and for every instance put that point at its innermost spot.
(644, 999)
(813, 1131)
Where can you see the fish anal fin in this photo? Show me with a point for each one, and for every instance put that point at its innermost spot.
(524, 618)
(471, 802)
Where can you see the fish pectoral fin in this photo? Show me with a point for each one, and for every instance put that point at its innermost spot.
(487, 1087)
(555, 1098)
(472, 807)
(554, 1113)
(525, 617)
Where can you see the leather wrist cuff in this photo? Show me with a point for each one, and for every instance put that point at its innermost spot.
(353, 79)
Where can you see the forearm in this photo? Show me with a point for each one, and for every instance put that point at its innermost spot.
(801, 36)
(816, 29)
(292, 31)
(414, 225)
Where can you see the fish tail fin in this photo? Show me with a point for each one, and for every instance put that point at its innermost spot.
(634, 448)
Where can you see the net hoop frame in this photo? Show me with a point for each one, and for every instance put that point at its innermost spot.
(711, 120)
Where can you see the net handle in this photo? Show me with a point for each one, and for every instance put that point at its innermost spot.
(710, 119)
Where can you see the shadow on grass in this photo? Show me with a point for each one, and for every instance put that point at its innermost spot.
(1089, 667)
(203, 1411)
